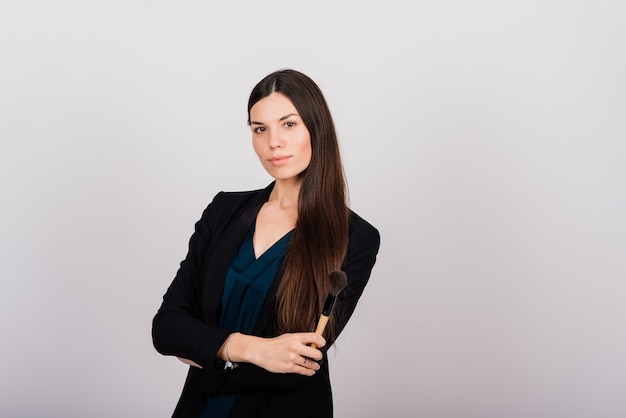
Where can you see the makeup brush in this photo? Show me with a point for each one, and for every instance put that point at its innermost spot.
(338, 281)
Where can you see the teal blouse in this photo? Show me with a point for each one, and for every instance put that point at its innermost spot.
(247, 282)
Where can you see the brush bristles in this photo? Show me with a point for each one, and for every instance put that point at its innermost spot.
(338, 280)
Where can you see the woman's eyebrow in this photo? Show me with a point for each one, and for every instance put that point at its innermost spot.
(287, 116)
(253, 122)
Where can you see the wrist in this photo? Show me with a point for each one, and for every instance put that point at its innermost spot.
(243, 348)
(229, 364)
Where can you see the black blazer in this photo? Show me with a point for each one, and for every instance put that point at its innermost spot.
(186, 323)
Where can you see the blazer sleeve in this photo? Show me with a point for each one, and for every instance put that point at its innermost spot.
(363, 246)
(177, 327)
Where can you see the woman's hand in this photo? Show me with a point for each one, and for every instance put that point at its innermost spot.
(287, 353)
(189, 362)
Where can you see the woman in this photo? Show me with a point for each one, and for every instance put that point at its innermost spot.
(242, 306)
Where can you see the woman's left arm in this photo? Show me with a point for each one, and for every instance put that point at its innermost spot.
(364, 242)
(363, 246)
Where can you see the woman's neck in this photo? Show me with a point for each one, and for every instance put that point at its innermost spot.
(285, 193)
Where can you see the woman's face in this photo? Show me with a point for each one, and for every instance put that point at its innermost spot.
(279, 137)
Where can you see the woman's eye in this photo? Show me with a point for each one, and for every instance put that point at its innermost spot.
(289, 124)
(259, 129)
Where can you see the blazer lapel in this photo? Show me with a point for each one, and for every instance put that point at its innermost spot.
(223, 252)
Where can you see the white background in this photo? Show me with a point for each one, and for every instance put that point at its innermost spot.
(484, 139)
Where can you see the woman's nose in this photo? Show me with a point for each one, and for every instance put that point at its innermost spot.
(275, 140)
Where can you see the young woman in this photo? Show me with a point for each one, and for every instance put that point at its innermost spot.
(244, 303)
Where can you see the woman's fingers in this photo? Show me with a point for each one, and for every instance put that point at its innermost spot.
(312, 342)
(316, 339)
(290, 353)
(189, 362)
(308, 367)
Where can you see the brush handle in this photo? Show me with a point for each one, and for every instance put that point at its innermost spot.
(321, 324)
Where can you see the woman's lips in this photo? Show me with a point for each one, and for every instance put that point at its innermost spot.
(279, 160)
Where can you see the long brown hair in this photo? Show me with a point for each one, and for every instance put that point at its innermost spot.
(320, 239)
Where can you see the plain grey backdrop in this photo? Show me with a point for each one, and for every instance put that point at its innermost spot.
(485, 140)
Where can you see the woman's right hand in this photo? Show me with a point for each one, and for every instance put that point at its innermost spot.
(287, 353)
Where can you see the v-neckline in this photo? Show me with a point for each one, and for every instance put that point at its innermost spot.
(271, 247)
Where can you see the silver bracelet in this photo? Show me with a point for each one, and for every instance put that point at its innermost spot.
(229, 364)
